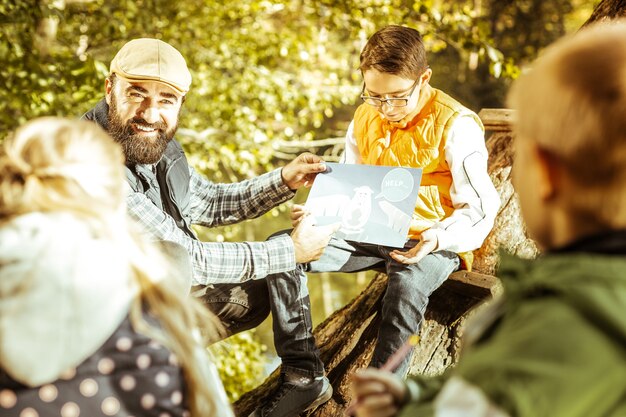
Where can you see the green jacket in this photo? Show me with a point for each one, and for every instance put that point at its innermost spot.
(556, 344)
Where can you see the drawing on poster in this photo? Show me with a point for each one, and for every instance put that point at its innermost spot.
(373, 203)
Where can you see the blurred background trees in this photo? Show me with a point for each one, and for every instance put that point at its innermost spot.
(270, 79)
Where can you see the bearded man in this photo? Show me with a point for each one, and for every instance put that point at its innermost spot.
(144, 93)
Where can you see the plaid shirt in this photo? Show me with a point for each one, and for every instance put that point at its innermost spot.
(217, 205)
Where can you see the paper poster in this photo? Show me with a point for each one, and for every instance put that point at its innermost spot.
(373, 203)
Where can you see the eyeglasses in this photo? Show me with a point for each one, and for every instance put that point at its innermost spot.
(393, 101)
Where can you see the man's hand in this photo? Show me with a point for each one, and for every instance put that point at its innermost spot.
(302, 170)
(298, 212)
(377, 393)
(415, 254)
(309, 240)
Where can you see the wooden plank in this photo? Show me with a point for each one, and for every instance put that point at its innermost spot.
(472, 284)
(496, 119)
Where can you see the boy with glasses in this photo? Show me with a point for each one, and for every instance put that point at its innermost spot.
(403, 122)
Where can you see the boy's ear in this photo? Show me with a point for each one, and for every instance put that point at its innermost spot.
(549, 173)
(425, 77)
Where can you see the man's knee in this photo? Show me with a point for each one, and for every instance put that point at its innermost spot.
(238, 306)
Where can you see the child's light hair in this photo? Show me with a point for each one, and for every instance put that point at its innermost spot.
(53, 164)
(572, 103)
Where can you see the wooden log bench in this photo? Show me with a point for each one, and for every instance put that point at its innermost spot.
(346, 338)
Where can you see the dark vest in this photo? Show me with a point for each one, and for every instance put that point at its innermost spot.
(166, 184)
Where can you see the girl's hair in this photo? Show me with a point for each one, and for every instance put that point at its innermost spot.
(53, 164)
(396, 50)
(572, 103)
(60, 165)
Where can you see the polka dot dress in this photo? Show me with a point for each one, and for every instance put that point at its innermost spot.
(131, 375)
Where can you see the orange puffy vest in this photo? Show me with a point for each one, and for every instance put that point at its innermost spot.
(416, 141)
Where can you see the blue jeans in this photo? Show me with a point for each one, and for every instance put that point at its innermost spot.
(243, 306)
(403, 304)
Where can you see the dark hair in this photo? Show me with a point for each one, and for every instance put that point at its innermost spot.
(396, 50)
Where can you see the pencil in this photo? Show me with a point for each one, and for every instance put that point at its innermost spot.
(398, 356)
(390, 365)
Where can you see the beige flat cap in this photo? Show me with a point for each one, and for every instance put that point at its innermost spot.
(146, 59)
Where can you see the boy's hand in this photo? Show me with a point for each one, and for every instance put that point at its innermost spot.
(309, 241)
(416, 253)
(302, 170)
(297, 214)
(377, 393)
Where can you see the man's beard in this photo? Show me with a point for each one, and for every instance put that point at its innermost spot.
(139, 149)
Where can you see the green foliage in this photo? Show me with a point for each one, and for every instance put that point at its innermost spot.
(39, 78)
(264, 71)
(518, 31)
(240, 362)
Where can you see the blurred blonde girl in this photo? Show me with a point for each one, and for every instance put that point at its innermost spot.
(92, 321)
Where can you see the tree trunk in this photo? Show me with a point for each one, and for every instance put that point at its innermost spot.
(346, 339)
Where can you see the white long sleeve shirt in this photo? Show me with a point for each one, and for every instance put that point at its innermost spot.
(474, 197)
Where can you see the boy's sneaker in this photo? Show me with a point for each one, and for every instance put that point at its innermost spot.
(292, 399)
